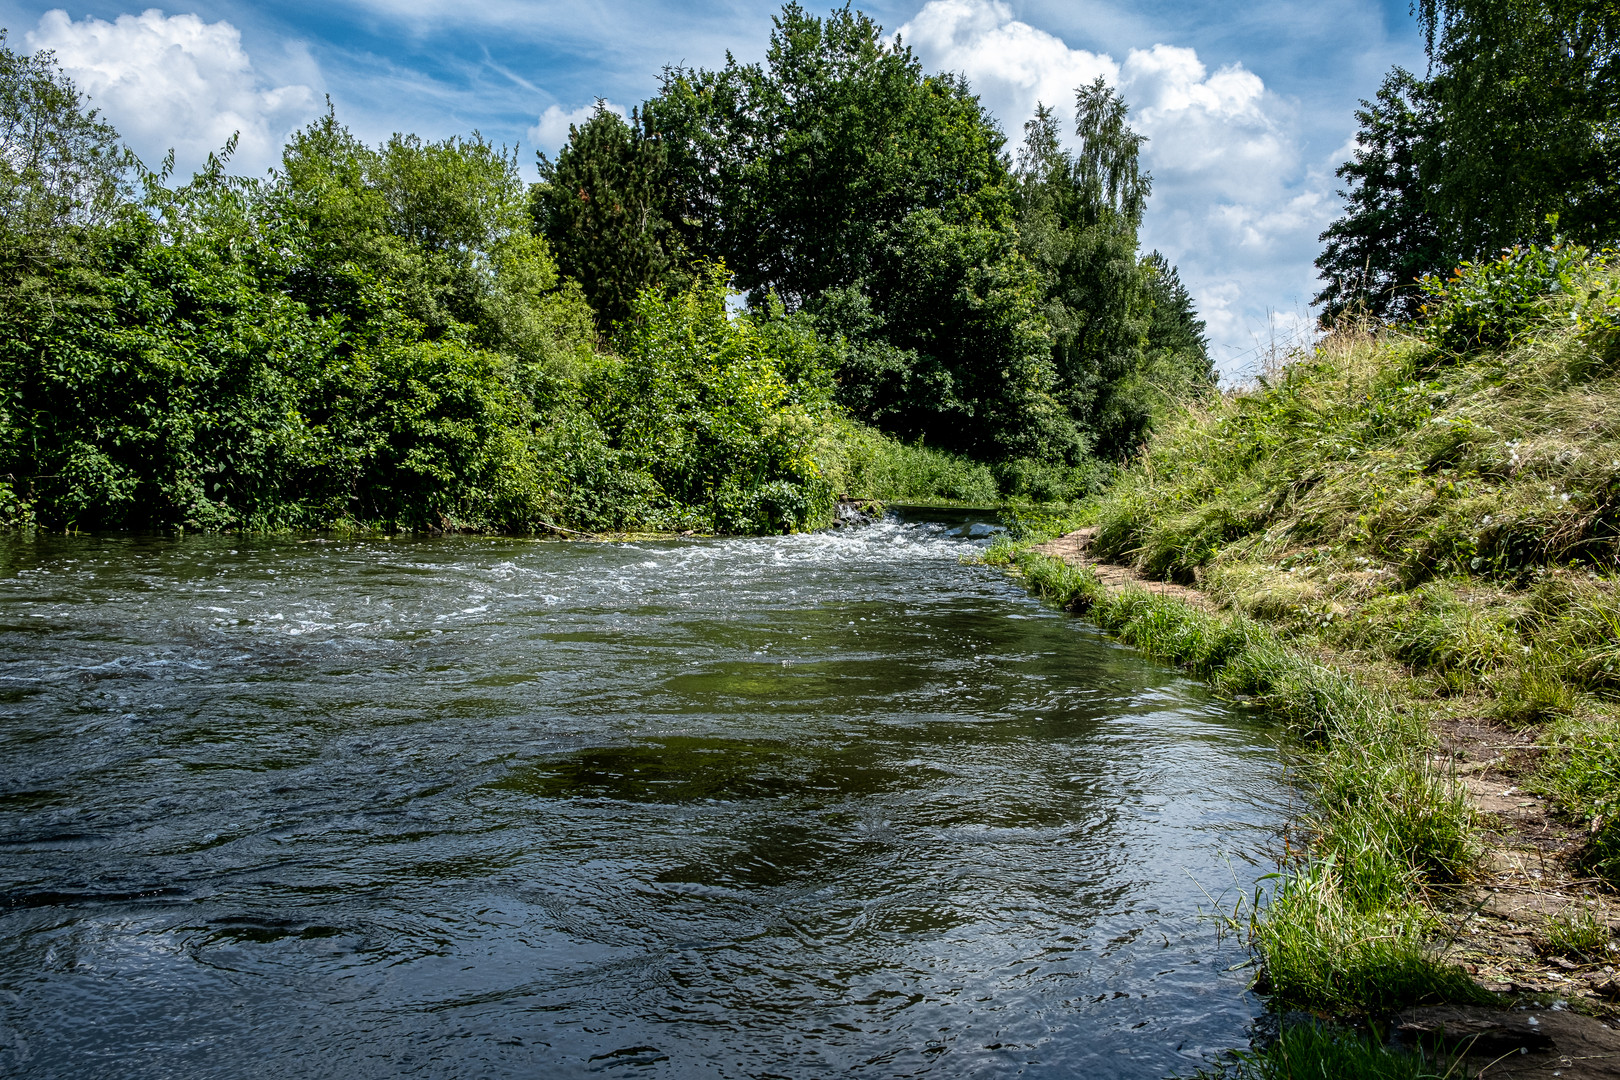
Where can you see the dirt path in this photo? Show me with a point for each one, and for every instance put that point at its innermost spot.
(1526, 878)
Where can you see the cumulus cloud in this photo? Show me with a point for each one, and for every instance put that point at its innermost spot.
(175, 81)
(551, 132)
(1235, 205)
(1011, 64)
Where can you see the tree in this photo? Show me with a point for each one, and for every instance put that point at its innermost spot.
(1518, 120)
(842, 179)
(1389, 237)
(600, 207)
(62, 168)
(1177, 347)
(439, 232)
(1528, 97)
(1079, 215)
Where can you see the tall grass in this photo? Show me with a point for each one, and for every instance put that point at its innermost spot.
(1391, 498)
(1311, 1052)
(863, 463)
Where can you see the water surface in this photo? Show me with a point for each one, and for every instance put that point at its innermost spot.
(792, 807)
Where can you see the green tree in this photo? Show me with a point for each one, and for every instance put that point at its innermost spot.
(1518, 120)
(436, 232)
(62, 168)
(1079, 215)
(1528, 96)
(719, 413)
(841, 178)
(601, 207)
(1389, 237)
(1177, 347)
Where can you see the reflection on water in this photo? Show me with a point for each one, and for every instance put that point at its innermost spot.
(794, 807)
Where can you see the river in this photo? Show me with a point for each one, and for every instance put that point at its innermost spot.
(829, 804)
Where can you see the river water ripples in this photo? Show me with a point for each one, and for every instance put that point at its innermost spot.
(834, 804)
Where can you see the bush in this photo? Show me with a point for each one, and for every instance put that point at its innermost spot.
(721, 413)
(1494, 304)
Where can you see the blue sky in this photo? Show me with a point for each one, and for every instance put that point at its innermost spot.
(1248, 106)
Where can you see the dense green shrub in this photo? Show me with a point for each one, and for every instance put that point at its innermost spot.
(721, 412)
(1493, 303)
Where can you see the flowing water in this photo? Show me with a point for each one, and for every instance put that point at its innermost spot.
(803, 806)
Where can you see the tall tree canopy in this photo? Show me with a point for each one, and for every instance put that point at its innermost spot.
(978, 307)
(61, 165)
(841, 178)
(401, 334)
(1518, 119)
(602, 207)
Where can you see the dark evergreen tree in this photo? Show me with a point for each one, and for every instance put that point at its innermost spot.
(1388, 237)
(601, 206)
(1177, 347)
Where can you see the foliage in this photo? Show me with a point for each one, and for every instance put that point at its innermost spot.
(1518, 120)
(375, 338)
(1124, 333)
(1493, 303)
(1177, 348)
(842, 179)
(1529, 117)
(720, 413)
(599, 207)
(436, 232)
(1388, 238)
(863, 463)
(402, 336)
(62, 168)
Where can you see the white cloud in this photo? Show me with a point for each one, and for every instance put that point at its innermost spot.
(1010, 63)
(175, 81)
(1234, 205)
(551, 132)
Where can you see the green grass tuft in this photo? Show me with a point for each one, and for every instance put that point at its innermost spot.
(1324, 948)
(1309, 1052)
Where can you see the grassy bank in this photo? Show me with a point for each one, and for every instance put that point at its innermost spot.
(1445, 502)
(1401, 530)
(1349, 929)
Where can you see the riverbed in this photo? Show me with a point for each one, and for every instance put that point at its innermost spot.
(803, 806)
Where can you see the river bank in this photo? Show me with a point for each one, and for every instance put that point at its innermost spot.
(1404, 547)
(1496, 925)
(1527, 873)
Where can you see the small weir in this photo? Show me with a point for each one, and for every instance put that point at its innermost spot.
(817, 805)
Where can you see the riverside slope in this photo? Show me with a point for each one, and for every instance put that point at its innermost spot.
(1526, 878)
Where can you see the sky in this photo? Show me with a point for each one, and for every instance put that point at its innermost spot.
(1248, 106)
